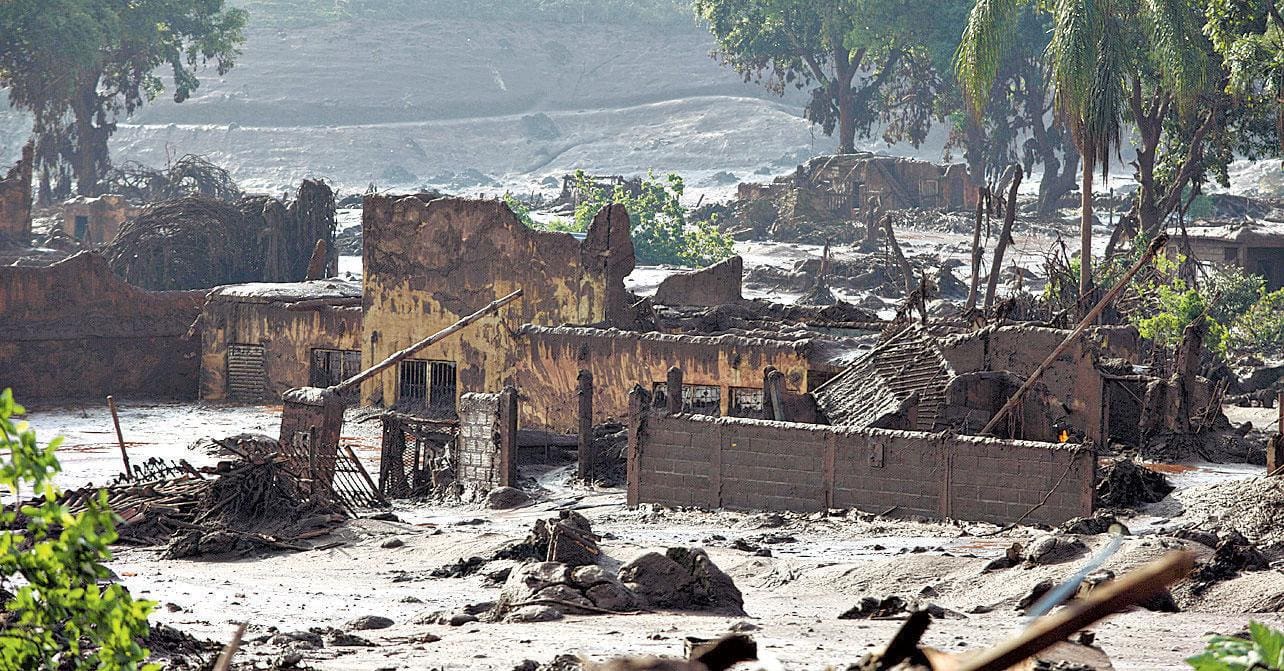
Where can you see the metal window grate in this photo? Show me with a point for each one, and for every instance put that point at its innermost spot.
(697, 399)
(246, 379)
(427, 386)
(746, 402)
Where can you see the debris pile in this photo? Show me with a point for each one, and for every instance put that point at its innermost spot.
(241, 506)
(1127, 484)
(1253, 507)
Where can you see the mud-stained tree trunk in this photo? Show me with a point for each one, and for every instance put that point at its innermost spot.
(92, 129)
(977, 253)
(844, 72)
(1085, 225)
(1155, 199)
(1005, 237)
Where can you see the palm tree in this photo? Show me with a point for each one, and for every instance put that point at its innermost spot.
(1097, 48)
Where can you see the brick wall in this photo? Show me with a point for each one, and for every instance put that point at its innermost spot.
(479, 450)
(754, 464)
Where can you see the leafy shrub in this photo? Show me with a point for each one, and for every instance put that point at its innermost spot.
(59, 615)
(1234, 292)
(1176, 307)
(657, 221)
(1263, 651)
(1261, 327)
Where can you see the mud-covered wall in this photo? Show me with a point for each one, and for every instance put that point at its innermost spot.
(75, 330)
(15, 201)
(692, 460)
(550, 358)
(430, 262)
(102, 217)
(287, 330)
(1074, 379)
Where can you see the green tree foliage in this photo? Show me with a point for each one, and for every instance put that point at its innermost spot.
(864, 61)
(1233, 292)
(1263, 650)
(1249, 35)
(1176, 306)
(658, 222)
(1108, 60)
(60, 616)
(79, 65)
(1260, 328)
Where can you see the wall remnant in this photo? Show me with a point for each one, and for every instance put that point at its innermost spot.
(718, 284)
(15, 201)
(430, 262)
(692, 460)
(282, 335)
(74, 330)
(97, 220)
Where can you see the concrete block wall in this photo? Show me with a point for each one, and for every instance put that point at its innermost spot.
(479, 448)
(695, 460)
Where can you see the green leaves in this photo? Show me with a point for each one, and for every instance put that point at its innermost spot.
(60, 616)
(1262, 651)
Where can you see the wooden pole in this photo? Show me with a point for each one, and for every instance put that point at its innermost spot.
(396, 357)
(224, 662)
(975, 287)
(1087, 320)
(120, 438)
(1135, 588)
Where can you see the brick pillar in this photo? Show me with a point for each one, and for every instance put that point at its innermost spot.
(508, 437)
(673, 389)
(638, 402)
(587, 458)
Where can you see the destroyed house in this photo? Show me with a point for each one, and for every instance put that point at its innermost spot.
(1256, 247)
(97, 220)
(260, 339)
(921, 382)
(841, 186)
(429, 262)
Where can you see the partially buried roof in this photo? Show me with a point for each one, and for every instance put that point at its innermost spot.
(906, 370)
(1260, 233)
(287, 292)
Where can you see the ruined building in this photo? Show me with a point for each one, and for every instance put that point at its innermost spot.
(1257, 247)
(15, 202)
(842, 187)
(95, 221)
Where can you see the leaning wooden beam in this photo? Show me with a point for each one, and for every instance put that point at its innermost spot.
(1087, 321)
(396, 357)
(975, 287)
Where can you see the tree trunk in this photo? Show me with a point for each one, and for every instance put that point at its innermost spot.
(846, 120)
(1085, 226)
(1146, 207)
(1009, 218)
(91, 157)
(975, 286)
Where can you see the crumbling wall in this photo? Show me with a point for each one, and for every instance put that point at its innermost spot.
(321, 314)
(15, 201)
(75, 330)
(1074, 379)
(755, 464)
(96, 220)
(430, 262)
(548, 361)
(718, 284)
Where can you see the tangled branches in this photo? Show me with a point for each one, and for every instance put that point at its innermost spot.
(190, 175)
(198, 242)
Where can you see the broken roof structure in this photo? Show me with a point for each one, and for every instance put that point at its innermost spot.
(1257, 247)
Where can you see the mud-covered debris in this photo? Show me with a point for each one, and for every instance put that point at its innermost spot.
(366, 622)
(1234, 553)
(505, 498)
(178, 649)
(1253, 507)
(1011, 557)
(1099, 523)
(558, 663)
(871, 608)
(583, 590)
(682, 579)
(1053, 549)
(1127, 484)
(535, 613)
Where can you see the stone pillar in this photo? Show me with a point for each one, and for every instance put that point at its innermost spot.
(508, 437)
(311, 423)
(639, 403)
(673, 390)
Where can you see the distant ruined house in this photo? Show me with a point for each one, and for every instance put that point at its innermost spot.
(1257, 247)
(840, 187)
(15, 202)
(97, 220)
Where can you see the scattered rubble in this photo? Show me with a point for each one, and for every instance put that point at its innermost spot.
(1124, 483)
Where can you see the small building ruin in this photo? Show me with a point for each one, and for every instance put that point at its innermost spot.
(1256, 247)
(97, 220)
(15, 201)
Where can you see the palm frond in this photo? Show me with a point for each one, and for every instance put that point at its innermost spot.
(989, 31)
(1181, 51)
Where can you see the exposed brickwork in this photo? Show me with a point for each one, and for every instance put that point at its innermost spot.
(478, 452)
(755, 464)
